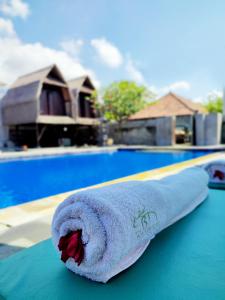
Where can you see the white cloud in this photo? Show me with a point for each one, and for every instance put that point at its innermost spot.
(18, 58)
(154, 90)
(133, 72)
(6, 28)
(14, 8)
(213, 94)
(176, 86)
(108, 53)
(173, 87)
(72, 46)
(180, 85)
(198, 99)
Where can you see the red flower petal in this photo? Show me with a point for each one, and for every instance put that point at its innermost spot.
(64, 256)
(77, 254)
(71, 246)
(62, 242)
(219, 174)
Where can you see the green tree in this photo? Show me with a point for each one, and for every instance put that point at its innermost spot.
(214, 104)
(121, 99)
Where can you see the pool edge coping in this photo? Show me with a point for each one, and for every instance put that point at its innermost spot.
(55, 151)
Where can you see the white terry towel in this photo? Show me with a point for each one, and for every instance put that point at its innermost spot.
(117, 222)
(216, 171)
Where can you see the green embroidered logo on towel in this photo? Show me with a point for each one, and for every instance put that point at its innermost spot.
(144, 221)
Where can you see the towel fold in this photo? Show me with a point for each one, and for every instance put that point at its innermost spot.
(216, 171)
(101, 231)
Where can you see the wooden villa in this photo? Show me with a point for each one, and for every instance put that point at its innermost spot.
(42, 109)
(82, 89)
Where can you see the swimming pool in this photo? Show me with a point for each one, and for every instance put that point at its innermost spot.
(26, 179)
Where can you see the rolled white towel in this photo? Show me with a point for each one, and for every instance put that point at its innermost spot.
(102, 231)
(216, 171)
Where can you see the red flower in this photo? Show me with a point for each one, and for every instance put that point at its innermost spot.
(71, 246)
(219, 174)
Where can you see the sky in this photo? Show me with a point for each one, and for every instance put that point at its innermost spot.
(167, 45)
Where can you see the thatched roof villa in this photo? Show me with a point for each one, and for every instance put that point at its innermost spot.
(40, 108)
(181, 109)
(82, 88)
(169, 105)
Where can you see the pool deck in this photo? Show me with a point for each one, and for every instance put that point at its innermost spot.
(37, 152)
(24, 225)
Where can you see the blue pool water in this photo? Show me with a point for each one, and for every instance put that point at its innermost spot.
(24, 180)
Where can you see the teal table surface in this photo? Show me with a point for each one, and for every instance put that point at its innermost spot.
(185, 261)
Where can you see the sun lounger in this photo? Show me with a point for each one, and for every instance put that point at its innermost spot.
(185, 261)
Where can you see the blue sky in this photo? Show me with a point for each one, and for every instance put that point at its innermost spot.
(167, 45)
